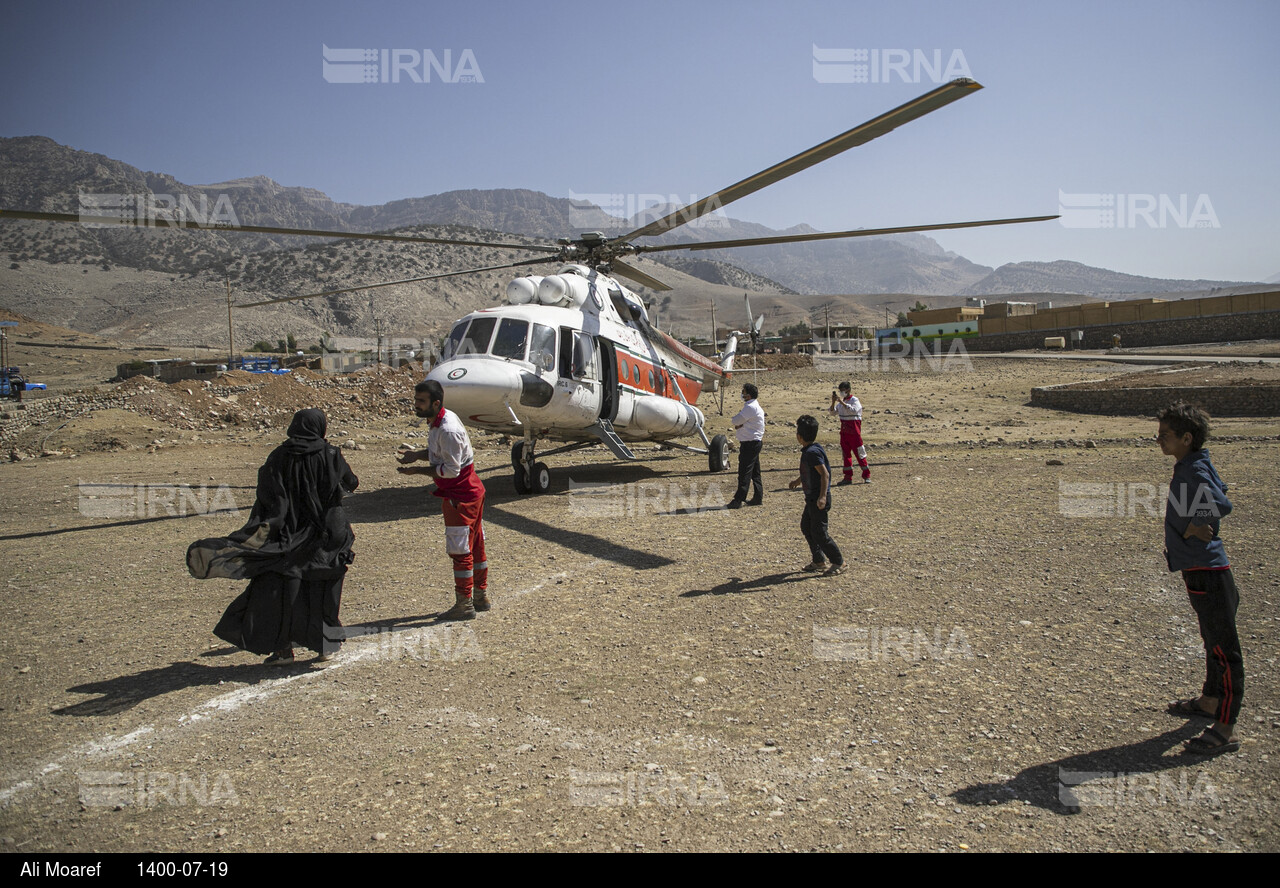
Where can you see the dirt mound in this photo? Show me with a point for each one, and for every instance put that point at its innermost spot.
(773, 362)
(239, 377)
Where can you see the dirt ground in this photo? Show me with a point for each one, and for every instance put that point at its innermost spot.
(656, 673)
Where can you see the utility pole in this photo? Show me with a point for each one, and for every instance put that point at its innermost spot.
(231, 336)
(714, 342)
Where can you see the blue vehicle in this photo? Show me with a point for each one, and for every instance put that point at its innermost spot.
(13, 383)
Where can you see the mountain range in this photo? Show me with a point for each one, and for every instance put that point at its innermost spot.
(788, 281)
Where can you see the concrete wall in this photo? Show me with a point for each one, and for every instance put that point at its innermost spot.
(1221, 400)
(1132, 311)
(1139, 334)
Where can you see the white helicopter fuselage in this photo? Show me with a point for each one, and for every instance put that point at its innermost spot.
(567, 352)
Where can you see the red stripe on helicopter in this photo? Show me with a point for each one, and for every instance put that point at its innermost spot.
(642, 375)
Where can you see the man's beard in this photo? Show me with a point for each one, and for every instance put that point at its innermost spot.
(423, 414)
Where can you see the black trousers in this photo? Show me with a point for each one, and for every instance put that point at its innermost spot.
(1214, 598)
(813, 524)
(749, 470)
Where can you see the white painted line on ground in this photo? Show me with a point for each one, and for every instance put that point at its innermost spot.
(356, 651)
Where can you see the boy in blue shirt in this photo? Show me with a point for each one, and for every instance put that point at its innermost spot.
(1197, 503)
(815, 475)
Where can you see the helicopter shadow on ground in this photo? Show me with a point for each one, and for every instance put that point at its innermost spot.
(1061, 786)
(397, 503)
(130, 522)
(737, 585)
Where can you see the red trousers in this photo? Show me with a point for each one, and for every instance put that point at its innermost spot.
(464, 541)
(851, 446)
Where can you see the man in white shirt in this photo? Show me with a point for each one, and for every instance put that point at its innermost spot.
(748, 426)
(848, 410)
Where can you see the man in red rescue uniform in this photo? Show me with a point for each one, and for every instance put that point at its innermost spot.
(848, 410)
(451, 462)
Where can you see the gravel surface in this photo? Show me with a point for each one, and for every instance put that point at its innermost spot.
(656, 674)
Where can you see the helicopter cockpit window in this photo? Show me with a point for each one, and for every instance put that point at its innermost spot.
(455, 337)
(511, 339)
(542, 347)
(476, 342)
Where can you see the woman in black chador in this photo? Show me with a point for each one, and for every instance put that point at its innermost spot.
(294, 550)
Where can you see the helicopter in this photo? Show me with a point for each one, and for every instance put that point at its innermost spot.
(572, 356)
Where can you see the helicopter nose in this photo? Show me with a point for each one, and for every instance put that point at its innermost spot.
(479, 389)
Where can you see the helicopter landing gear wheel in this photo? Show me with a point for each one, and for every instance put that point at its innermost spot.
(718, 456)
(540, 480)
(521, 480)
(529, 476)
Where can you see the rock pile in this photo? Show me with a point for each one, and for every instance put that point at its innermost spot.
(260, 402)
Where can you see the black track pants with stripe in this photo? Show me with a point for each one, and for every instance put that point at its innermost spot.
(1215, 599)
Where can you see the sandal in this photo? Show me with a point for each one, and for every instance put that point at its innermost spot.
(1212, 742)
(1189, 708)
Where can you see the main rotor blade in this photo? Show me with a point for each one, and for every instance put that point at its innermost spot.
(622, 269)
(430, 277)
(859, 135)
(159, 223)
(832, 235)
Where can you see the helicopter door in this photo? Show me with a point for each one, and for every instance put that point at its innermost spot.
(580, 375)
(608, 357)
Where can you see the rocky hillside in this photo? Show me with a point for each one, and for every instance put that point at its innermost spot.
(1073, 277)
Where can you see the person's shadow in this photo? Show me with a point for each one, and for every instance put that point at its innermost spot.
(1067, 784)
(737, 585)
(127, 691)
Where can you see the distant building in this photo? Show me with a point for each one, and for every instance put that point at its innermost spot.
(944, 315)
(1012, 309)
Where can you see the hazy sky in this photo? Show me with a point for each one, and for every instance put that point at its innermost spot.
(1168, 107)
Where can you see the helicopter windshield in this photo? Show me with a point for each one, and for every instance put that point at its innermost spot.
(455, 336)
(511, 339)
(473, 338)
(475, 341)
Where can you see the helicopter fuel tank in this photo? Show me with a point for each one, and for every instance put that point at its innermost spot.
(665, 417)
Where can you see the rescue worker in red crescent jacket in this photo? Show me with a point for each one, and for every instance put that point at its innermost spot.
(451, 462)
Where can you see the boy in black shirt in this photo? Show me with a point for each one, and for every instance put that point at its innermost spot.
(815, 476)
